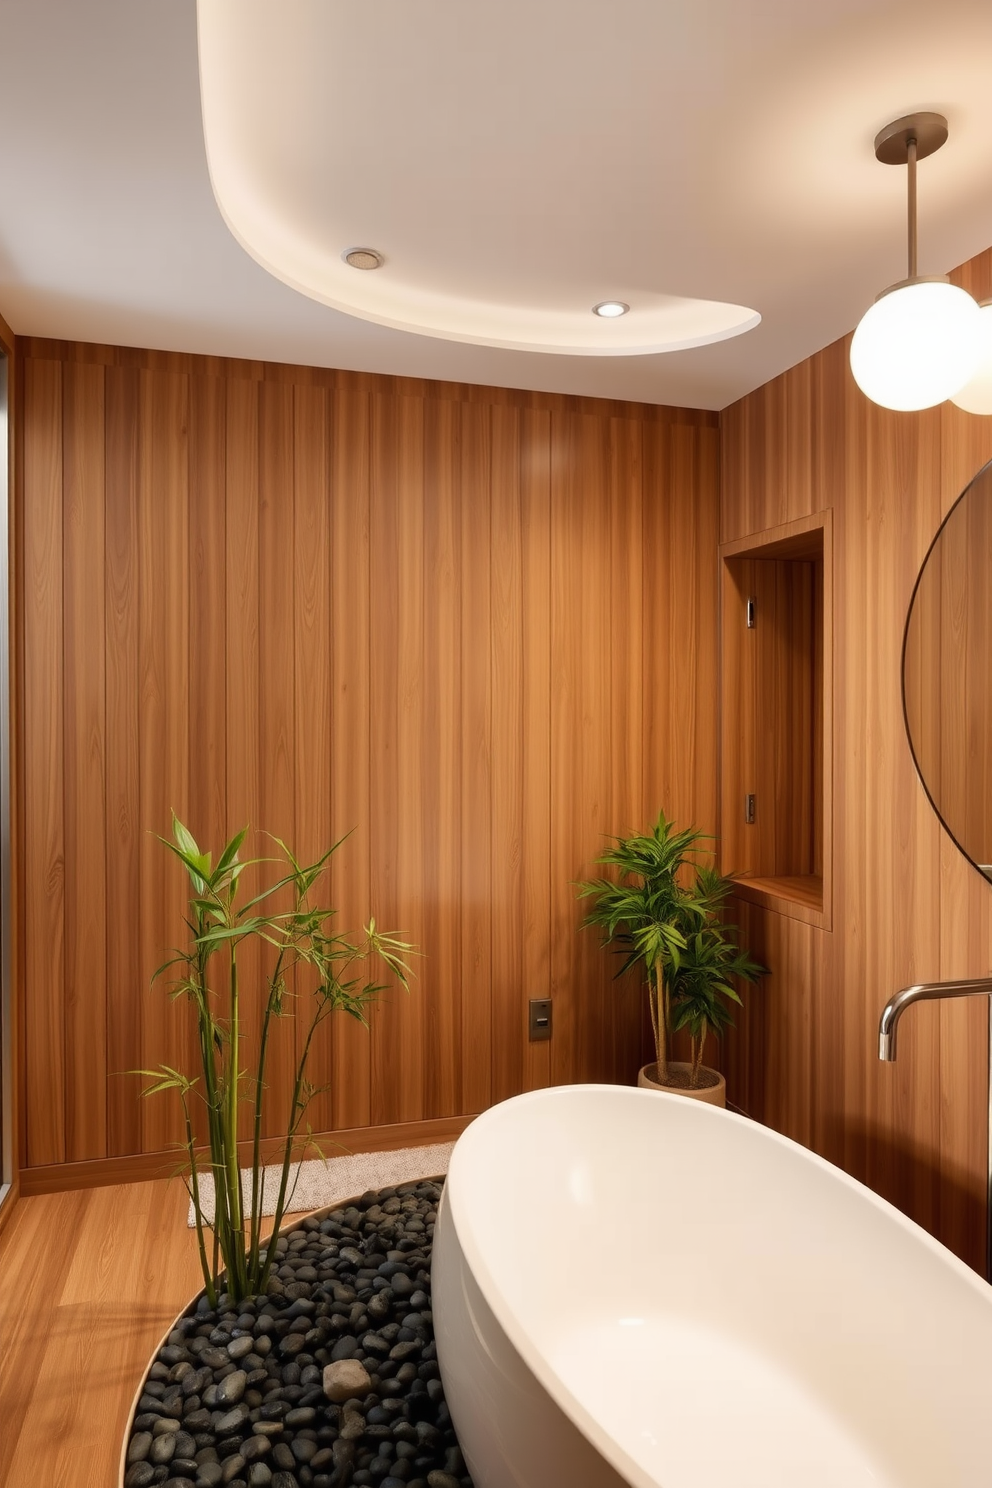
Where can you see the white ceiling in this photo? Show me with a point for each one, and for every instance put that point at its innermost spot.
(534, 153)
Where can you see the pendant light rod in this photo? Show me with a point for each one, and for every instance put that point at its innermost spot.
(911, 149)
(905, 142)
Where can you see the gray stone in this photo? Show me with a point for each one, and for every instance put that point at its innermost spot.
(166, 1426)
(140, 1443)
(343, 1452)
(352, 1426)
(232, 1467)
(303, 1448)
(238, 1347)
(139, 1475)
(231, 1420)
(301, 1416)
(437, 1479)
(163, 1449)
(259, 1475)
(209, 1474)
(256, 1447)
(231, 1388)
(346, 1379)
(293, 1343)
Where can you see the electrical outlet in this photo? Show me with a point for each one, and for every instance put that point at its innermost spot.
(539, 1022)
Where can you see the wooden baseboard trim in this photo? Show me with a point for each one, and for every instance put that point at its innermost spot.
(142, 1166)
(9, 1202)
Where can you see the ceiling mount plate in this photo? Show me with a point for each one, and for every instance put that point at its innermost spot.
(892, 142)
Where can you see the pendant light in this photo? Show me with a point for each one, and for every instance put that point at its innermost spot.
(922, 339)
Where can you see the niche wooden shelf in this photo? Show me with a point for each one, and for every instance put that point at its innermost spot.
(776, 755)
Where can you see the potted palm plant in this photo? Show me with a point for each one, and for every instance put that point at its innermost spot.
(663, 911)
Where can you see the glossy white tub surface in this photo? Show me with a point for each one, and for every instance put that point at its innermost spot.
(633, 1288)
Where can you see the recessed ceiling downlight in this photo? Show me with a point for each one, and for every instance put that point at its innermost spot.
(363, 258)
(610, 309)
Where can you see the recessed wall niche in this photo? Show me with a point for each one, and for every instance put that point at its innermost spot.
(776, 669)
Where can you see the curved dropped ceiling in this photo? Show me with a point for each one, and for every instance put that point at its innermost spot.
(301, 176)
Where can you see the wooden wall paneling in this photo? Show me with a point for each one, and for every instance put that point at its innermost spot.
(629, 812)
(507, 665)
(44, 1077)
(962, 1114)
(817, 782)
(474, 1054)
(581, 758)
(242, 644)
(903, 940)
(313, 830)
(83, 526)
(783, 825)
(843, 1122)
(332, 600)
(535, 526)
(275, 811)
(14, 930)
(788, 948)
(966, 916)
(208, 607)
(163, 641)
(904, 903)
(397, 742)
(681, 625)
(351, 600)
(127, 991)
(738, 772)
(520, 538)
(447, 661)
(207, 628)
(509, 662)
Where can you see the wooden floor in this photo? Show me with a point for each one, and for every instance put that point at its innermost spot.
(89, 1281)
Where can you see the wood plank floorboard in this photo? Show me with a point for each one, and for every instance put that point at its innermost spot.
(89, 1281)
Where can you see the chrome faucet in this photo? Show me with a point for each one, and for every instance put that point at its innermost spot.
(889, 1022)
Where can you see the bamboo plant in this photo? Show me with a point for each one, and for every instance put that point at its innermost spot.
(303, 949)
(663, 913)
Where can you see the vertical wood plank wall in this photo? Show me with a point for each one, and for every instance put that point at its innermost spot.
(478, 627)
(907, 905)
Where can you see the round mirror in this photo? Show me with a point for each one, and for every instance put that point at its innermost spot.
(947, 672)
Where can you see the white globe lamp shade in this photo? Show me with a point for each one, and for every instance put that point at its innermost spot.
(976, 395)
(917, 345)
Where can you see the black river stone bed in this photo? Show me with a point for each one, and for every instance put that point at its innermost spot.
(235, 1397)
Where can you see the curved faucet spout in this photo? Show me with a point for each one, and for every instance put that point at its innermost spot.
(889, 1022)
(921, 992)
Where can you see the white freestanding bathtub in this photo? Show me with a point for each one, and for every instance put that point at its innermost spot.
(632, 1288)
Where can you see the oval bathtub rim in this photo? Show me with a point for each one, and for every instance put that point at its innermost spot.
(547, 1377)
